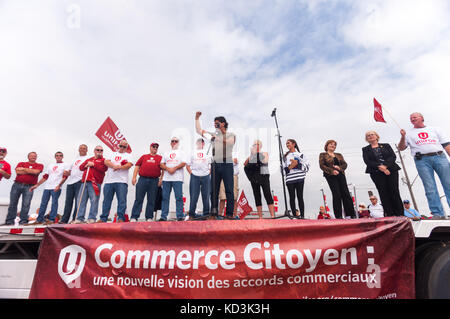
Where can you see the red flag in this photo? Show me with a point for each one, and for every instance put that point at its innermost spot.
(275, 203)
(378, 112)
(243, 207)
(110, 134)
(88, 176)
(96, 188)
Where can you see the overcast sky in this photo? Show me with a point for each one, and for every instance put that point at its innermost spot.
(149, 65)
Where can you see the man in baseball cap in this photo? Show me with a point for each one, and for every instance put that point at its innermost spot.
(150, 178)
(5, 168)
(410, 212)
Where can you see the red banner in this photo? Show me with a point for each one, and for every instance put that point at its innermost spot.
(247, 259)
(110, 134)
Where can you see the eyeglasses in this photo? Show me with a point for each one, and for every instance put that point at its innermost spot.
(98, 150)
(123, 146)
(173, 141)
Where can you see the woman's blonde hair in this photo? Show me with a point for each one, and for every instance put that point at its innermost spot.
(372, 132)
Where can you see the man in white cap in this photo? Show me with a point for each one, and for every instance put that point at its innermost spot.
(116, 182)
(172, 163)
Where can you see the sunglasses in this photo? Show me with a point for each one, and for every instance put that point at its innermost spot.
(155, 146)
(123, 146)
(2, 151)
(173, 141)
(97, 150)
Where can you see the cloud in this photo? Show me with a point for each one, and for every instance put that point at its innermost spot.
(67, 65)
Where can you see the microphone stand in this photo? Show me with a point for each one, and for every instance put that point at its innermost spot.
(280, 151)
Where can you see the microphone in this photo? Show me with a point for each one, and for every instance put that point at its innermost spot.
(273, 112)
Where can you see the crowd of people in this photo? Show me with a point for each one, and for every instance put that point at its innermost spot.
(214, 175)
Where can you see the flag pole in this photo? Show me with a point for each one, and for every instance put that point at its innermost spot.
(389, 113)
(82, 192)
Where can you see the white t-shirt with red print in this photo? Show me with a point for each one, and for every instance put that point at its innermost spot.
(54, 174)
(75, 173)
(426, 140)
(119, 176)
(171, 159)
(200, 163)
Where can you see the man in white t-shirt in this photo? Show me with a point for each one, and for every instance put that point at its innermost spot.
(172, 163)
(116, 182)
(54, 177)
(199, 166)
(428, 146)
(74, 184)
(376, 209)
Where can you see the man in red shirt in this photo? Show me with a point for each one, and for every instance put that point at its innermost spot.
(150, 178)
(323, 213)
(94, 172)
(27, 176)
(5, 168)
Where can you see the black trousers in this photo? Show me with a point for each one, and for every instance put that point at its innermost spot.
(387, 186)
(296, 188)
(341, 195)
(262, 182)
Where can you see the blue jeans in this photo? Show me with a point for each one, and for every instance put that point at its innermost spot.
(46, 195)
(426, 168)
(88, 192)
(145, 186)
(121, 190)
(219, 172)
(72, 195)
(197, 184)
(18, 190)
(178, 190)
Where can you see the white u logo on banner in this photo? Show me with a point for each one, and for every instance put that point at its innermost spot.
(72, 269)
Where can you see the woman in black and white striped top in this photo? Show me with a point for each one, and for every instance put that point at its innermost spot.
(296, 167)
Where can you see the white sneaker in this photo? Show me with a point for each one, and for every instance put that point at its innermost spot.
(91, 221)
(77, 221)
(149, 220)
(133, 220)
